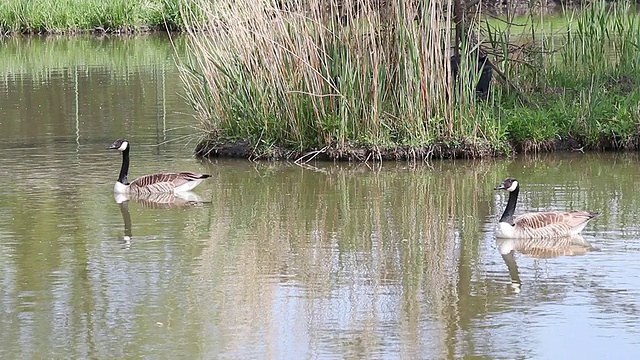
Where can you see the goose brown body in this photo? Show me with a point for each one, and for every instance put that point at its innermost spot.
(154, 183)
(541, 224)
(165, 182)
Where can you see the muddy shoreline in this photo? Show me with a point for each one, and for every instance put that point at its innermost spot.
(442, 150)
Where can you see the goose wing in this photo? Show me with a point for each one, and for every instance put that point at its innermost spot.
(164, 182)
(552, 224)
(540, 219)
(570, 219)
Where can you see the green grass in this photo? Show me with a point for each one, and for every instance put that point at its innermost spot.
(584, 86)
(64, 16)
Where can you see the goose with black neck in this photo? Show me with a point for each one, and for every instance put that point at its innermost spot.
(537, 225)
(154, 183)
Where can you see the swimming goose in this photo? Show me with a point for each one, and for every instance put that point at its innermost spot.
(154, 183)
(538, 225)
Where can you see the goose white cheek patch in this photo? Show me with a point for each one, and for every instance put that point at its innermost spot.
(513, 186)
(124, 146)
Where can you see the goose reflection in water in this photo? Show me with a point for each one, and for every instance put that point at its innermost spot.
(162, 200)
(182, 200)
(539, 249)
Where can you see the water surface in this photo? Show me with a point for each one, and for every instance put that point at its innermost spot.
(330, 261)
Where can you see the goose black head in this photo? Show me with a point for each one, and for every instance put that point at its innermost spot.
(120, 145)
(509, 184)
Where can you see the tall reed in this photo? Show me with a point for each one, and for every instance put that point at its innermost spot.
(336, 73)
(342, 74)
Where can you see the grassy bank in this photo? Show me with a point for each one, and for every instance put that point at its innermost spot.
(357, 79)
(64, 16)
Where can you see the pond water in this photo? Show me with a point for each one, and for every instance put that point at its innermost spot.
(393, 260)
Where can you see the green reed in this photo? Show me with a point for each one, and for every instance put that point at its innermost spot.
(600, 61)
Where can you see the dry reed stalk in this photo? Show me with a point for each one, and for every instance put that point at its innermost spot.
(326, 72)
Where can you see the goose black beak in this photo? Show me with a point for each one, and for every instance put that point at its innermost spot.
(499, 187)
(112, 147)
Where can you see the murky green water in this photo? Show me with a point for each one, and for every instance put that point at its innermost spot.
(332, 261)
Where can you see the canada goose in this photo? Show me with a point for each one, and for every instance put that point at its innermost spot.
(154, 183)
(538, 225)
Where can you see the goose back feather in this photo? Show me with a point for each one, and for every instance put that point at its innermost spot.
(166, 182)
